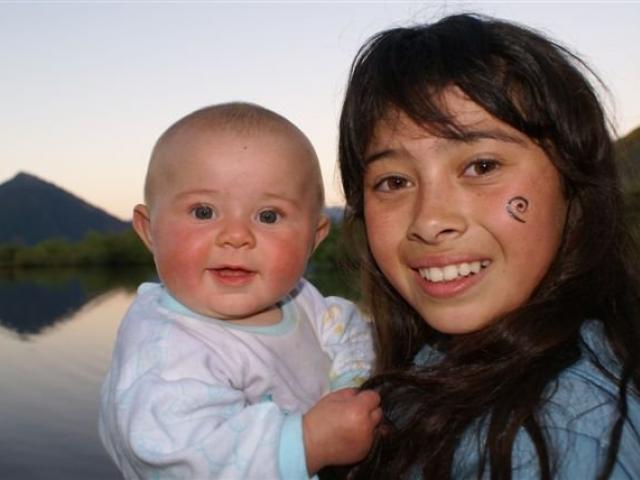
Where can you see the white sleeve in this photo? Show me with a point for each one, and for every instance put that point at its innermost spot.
(344, 333)
(156, 424)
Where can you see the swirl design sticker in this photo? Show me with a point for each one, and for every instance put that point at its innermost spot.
(516, 207)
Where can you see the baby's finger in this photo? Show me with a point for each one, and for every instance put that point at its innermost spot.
(370, 398)
(376, 415)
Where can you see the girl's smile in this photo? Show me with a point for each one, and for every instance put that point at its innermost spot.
(451, 279)
(440, 215)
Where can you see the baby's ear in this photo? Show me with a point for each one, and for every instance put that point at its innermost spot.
(142, 224)
(322, 230)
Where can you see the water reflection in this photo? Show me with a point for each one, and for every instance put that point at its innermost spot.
(49, 385)
(32, 301)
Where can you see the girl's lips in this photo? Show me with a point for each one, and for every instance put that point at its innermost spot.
(452, 279)
(452, 271)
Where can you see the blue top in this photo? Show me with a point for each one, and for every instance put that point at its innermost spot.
(577, 420)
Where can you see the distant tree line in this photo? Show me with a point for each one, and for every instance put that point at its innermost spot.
(333, 267)
(96, 249)
(633, 212)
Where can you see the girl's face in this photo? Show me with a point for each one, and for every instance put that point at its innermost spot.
(463, 229)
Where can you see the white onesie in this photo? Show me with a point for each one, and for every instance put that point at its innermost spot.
(191, 397)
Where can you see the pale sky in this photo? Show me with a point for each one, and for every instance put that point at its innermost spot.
(87, 87)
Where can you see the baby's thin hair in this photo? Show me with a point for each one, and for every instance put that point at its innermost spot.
(235, 116)
(238, 117)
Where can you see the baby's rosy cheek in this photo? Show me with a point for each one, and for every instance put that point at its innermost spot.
(287, 262)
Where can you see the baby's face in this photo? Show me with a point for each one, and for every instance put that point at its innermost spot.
(234, 220)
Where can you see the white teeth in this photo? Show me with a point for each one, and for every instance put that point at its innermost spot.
(452, 272)
(464, 269)
(436, 274)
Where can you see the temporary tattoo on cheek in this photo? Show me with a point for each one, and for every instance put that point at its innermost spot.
(516, 207)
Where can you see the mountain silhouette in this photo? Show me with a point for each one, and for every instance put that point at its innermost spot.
(32, 210)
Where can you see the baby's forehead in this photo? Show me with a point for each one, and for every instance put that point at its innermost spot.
(212, 142)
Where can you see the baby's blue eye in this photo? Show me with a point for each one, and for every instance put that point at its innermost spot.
(202, 212)
(268, 216)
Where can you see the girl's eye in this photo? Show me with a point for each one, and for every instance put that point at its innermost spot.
(268, 216)
(202, 212)
(391, 183)
(479, 168)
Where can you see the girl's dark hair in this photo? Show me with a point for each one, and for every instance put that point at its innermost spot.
(503, 372)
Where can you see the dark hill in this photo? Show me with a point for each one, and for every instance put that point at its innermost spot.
(628, 154)
(32, 210)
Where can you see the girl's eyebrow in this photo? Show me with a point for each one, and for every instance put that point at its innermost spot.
(464, 136)
(387, 152)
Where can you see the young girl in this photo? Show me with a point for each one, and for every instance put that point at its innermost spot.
(503, 281)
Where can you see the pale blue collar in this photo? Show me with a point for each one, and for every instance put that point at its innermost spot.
(287, 322)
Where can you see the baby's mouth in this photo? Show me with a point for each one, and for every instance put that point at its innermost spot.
(232, 271)
(452, 272)
(233, 276)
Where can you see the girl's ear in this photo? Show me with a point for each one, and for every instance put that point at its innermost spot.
(142, 225)
(322, 230)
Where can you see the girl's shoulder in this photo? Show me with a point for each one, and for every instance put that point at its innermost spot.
(582, 405)
(585, 396)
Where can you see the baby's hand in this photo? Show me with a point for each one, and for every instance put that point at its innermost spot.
(338, 430)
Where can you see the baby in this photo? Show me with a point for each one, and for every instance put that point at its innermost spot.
(223, 369)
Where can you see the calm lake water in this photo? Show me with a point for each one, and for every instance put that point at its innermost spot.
(57, 329)
(56, 334)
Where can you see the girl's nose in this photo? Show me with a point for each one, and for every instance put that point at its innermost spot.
(235, 233)
(437, 216)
